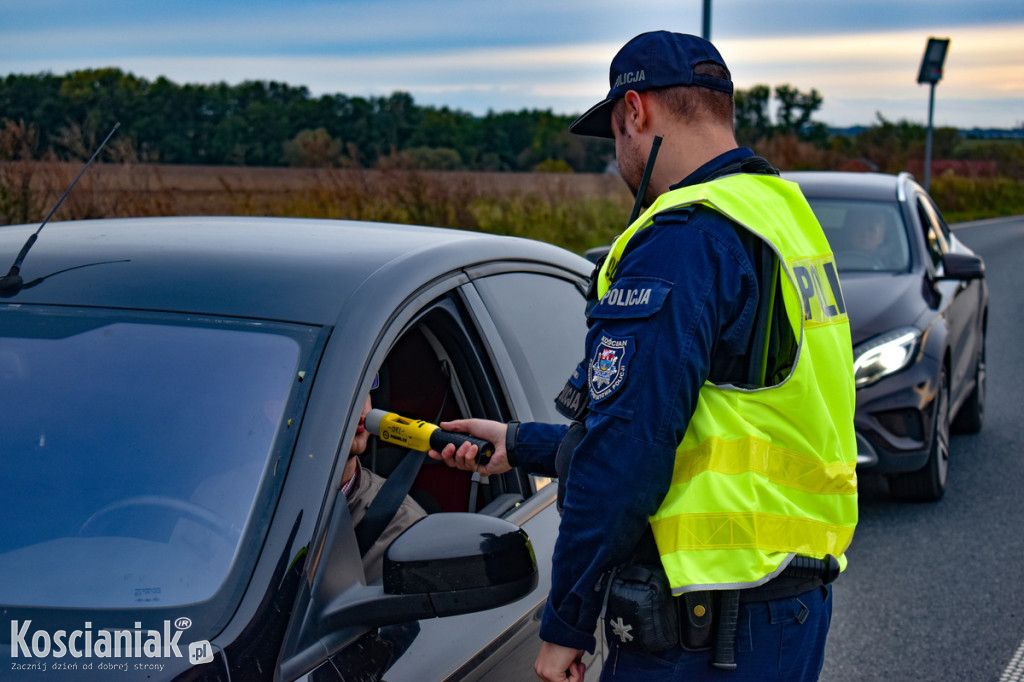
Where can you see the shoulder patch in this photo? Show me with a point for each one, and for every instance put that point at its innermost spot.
(609, 362)
(632, 297)
(572, 400)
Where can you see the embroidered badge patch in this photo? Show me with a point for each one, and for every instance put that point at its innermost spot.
(606, 371)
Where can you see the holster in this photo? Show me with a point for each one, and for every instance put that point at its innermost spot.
(696, 618)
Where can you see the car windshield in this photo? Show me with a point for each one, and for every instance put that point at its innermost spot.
(132, 449)
(864, 235)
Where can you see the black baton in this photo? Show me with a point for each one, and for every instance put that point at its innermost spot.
(725, 639)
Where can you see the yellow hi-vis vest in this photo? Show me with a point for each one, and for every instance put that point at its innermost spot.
(764, 474)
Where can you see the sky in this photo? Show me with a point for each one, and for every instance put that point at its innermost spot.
(477, 56)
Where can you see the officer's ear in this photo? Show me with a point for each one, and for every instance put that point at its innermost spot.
(637, 111)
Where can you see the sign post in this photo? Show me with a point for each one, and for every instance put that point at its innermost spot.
(931, 73)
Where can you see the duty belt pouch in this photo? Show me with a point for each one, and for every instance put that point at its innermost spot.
(695, 620)
(641, 611)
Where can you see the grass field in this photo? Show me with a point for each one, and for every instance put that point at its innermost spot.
(574, 210)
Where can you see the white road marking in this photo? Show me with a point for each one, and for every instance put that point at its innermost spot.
(1015, 671)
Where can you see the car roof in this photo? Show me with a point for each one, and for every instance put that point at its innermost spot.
(288, 269)
(847, 185)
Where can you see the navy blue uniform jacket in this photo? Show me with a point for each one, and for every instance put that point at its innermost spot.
(647, 356)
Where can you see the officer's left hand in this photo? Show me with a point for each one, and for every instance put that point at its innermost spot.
(558, 663)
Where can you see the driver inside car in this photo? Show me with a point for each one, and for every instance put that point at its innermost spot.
(866, 230)
(361, 486)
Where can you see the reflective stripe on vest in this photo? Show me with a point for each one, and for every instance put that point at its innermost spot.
(764, 474)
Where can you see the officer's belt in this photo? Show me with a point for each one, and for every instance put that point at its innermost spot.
(802, 574)
(780, 587)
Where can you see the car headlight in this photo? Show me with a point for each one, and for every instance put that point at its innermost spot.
(883, 355)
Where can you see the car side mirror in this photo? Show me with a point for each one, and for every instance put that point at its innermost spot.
(596, 253)
(962, 266)
(443, 565)
(462, 562)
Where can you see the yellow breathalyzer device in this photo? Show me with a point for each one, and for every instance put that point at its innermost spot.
(419, 435)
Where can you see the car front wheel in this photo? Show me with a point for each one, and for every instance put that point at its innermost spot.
(929, 483)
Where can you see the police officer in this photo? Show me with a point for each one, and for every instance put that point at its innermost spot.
(713, 412)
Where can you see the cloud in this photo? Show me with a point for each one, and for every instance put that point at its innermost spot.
(480, 55)
(878, 69)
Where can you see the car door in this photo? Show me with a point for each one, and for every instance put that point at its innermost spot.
(534, 324)
(449, 360)
(958, 305)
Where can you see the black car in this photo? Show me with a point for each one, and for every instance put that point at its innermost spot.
(918, 307)
(179, 399)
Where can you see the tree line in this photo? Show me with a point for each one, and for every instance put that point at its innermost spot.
(267, 123)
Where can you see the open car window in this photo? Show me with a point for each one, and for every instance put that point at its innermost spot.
(436, 371)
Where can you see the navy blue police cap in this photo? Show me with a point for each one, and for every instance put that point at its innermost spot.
(658, 59)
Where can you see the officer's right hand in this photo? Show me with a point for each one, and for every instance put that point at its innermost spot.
(465, 456)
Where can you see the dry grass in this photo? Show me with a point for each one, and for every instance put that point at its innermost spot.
(575, 211)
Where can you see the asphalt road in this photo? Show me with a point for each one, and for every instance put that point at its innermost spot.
(936, 591)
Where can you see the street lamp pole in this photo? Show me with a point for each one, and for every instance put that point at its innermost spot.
(706, 34)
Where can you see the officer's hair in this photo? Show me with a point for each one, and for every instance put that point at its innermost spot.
(691, 102)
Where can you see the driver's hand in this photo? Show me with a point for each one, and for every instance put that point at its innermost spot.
(465, 456)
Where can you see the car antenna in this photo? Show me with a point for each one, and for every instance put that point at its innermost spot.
(12, 283)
